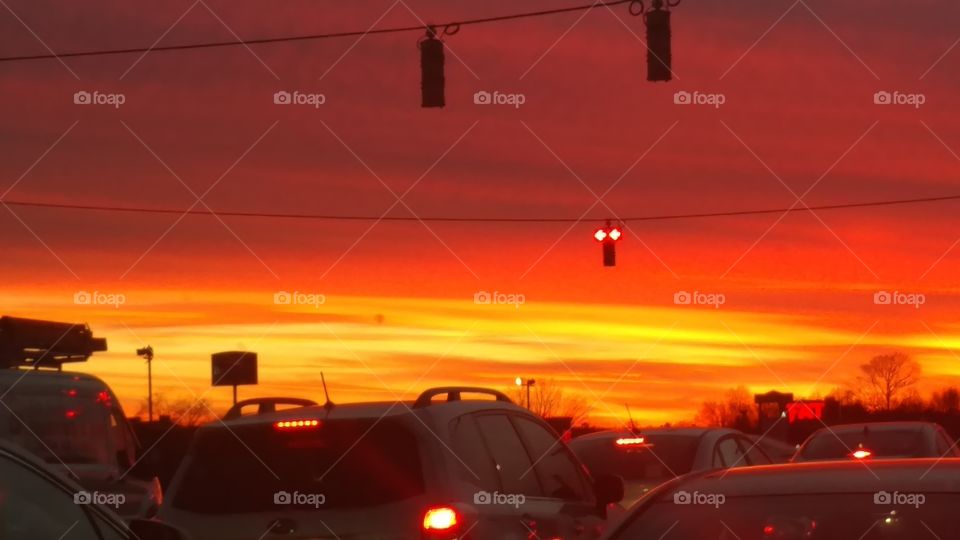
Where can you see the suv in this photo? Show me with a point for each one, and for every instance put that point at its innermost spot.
(72, 421)
(470, 469)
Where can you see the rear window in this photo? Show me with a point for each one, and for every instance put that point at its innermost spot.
(74, 430)
(885, 443)
(661, 457)
(338, 464)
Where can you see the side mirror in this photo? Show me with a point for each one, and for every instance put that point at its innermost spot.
(148, 529)
(608, 489)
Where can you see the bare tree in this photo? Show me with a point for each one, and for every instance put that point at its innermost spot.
(184, 411)
(548, 399)
(886, 377)
(946, 400)
(737, 409)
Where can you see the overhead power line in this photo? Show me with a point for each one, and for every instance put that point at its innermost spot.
(449, 27)
(455, 219)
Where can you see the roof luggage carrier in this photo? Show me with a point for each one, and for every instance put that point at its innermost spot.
(35, 343)
(454, 394)
(266, 405)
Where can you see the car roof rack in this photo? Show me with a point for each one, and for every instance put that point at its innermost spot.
(35, 343)
(266, 405)
(454, 394)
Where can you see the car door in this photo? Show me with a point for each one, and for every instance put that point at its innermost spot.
(563, 481)
(516, 509)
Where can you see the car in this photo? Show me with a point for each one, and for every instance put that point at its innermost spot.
(37, 503)
(877, 440)
(779, 451)
(71, 420)
(458, 462)
(883, 500)
(652, 457)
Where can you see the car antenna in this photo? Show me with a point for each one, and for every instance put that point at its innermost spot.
(329, 404)
(633, 425)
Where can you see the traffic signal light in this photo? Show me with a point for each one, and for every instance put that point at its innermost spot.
(608, 236)
(659, 53)
(432, 79)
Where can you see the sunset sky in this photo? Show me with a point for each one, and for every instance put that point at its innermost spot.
(799, 121)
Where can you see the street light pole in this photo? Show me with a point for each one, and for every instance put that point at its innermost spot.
(147, 354)
(528, 383)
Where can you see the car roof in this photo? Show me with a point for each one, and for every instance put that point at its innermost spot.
(48, 377)
(693, 432)
(879, 427)
(375, 409)
(905, 475)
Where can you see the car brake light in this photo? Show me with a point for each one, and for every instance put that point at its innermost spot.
(297, 424)
(769, 530)
(440, 519)
(861, 454)
(630, 441)
(70, 414)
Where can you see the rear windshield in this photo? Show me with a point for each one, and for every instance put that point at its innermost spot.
(59, 428)
(662, 457)
(867, 516)
(338, 464)
(886, 443)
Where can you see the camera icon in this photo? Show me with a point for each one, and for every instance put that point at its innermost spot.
(482, 97)
(482, 497)
(882, 298)
(882, 98)
(82, 298)
(682, 98)
(682, 298)
(282, 98)
(882, 497)
(682, 497)
(482, 297)
(282, 497)
(282, 298)
(82, 98)
(82, 497)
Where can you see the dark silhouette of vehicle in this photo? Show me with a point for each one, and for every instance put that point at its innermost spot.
(37, 503)
(878, 440)
(903, 499)
(441, 467)
(649, 458)
(71, 420)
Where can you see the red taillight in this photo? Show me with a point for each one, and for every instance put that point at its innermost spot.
(861, 454)
(630, 441)
(72, 392)
(440, 520)
(70, 414)
(308, 423)
(769, 530)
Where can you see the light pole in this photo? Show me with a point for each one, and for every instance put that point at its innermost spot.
(528, 383)
(147, 354)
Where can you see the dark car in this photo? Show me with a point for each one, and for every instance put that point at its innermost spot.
(436, 468)
(36, 503)
(649, 458)
(881, 440)
(840, 500)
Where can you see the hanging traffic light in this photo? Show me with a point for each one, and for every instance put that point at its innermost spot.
(432, 79)
(659, 53)
(608, 237)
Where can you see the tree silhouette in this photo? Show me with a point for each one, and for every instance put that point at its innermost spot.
(885, 377)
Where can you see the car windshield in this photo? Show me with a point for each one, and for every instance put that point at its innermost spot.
(336, 464)
(906, 442)
(661, 457)
(866, 516)
(59, 428)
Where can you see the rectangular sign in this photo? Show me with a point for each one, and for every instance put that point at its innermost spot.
(230, 368)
